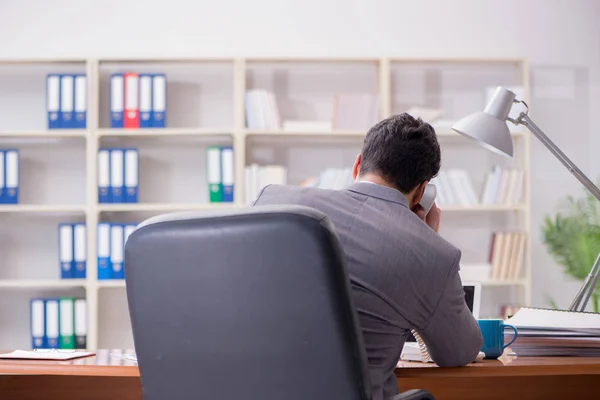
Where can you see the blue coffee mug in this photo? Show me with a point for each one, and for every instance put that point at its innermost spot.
(492, 331)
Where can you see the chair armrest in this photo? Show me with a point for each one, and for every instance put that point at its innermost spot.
(413, 394)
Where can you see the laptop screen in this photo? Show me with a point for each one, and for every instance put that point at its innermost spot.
(469, 296)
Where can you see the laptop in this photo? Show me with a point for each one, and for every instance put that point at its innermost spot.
(412, 351)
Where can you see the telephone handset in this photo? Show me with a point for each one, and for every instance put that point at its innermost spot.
(428, 197)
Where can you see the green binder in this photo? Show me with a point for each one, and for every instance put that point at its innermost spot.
(213, 174)
(66, 326)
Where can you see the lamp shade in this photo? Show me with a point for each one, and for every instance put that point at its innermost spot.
(488, 127)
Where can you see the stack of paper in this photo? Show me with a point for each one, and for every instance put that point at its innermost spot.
(545, 332)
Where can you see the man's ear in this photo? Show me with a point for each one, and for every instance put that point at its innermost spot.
(418, 193)
(356, 167)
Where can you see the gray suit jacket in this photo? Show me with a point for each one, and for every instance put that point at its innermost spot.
(403, 274)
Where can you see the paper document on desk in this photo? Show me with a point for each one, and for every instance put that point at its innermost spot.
(546, 332)
(46, 355)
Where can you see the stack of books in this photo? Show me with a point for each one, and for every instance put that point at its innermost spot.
(503, 187)
(259, 176)
(331, 178)
(547, 332)
(454, 187)
(355, 111)
(261, 110)
(506, 255)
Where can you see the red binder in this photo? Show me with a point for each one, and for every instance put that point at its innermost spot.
(132, 108)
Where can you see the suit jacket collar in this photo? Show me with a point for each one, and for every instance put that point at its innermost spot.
(379, 191)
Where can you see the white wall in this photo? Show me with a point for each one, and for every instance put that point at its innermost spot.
(560, 38)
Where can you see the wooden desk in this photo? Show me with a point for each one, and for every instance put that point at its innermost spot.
(509, 377)
(104, 377)
(95, 377)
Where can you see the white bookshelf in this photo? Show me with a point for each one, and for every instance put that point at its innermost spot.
(206, 106)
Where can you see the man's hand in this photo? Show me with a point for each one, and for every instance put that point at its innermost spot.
(432, 218)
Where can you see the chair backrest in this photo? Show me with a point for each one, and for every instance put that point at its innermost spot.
(246, 304)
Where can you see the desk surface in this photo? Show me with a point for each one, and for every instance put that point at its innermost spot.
(103, 376)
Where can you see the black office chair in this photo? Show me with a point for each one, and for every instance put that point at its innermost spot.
(252, 304)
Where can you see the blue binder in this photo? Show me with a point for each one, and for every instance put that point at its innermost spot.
(80, 101)
(79, 251)
(159, 100)
(103, 251)
(11, 171)
(52, 320)
(227, 173)
(37, 311)
(2, 177)
(131, 166)
(117, 176)
(53, 101)
(117, 233)
(67, 95)
(145, 101)
(65, 253)
(104, 190)
(117, 100)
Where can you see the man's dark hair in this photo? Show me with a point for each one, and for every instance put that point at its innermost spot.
(403, 150)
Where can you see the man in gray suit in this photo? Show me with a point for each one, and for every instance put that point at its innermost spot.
(404, 275)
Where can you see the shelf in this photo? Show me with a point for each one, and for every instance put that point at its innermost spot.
(449, 133)
(114, 283)
(357, 133)
(44, 134)
(132, 207)
(161, 132)
(41, 208)
(480, 208)
(504, 283)
(42, 284)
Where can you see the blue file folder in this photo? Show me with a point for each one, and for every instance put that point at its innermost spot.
(131, 166)
(11, 172)
(117, 100)
(65, 254)
(80, 101)
(145, 102)
(53, 101)
(103, 243)
(159, 100)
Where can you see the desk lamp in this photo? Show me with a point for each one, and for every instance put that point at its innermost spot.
(489, 129)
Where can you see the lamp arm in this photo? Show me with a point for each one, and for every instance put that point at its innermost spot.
(583, 295)
(524, 119)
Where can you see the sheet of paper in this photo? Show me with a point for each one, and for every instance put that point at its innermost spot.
(46, 355)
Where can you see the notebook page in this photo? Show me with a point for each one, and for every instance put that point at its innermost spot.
(538, 318)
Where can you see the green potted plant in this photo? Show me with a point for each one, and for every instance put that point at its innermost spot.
(572, 238)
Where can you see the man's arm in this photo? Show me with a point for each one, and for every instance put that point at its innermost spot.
(452, 336)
